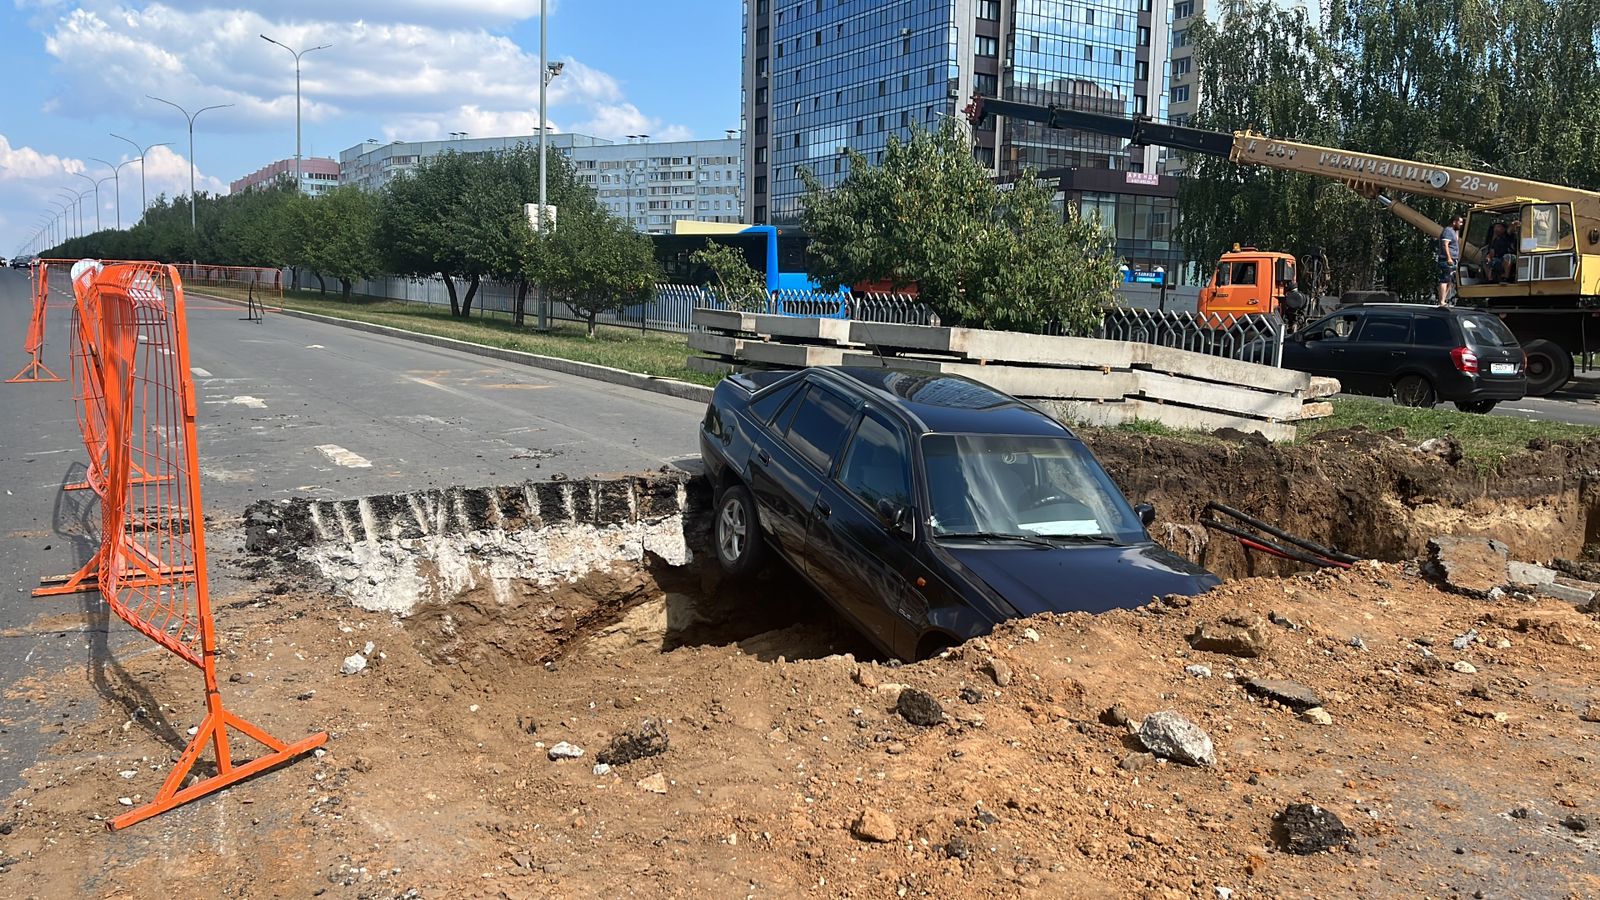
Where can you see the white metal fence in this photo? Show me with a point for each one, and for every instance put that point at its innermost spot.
(1249, 338)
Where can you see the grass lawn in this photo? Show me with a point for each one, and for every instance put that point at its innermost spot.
(650, 353)
(1486, 439)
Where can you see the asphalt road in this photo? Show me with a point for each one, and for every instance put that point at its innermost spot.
(288, 407)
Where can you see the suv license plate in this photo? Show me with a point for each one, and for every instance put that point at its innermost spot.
(1502, 368)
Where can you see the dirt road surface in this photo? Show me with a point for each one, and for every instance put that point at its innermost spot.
(788, 772)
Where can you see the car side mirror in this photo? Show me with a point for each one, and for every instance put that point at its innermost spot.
(1146, 513)
(894, 516)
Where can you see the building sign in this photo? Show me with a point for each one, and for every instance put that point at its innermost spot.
(1147, 178)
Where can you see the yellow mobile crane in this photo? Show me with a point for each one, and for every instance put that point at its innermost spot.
(1547, 292)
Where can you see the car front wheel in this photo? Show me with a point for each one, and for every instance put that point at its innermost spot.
(738, 535)
(1414, 390)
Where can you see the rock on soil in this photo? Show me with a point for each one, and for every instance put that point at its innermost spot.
(874, 825)
(649, 739)
(919, 708)
(565, 750)
(1292, 694)
(1235, 636)
(353, 664)
(655, 784)
(1169, 734)
(1316, 715)
(1472, 566)
(999, 670)
(1305, 828)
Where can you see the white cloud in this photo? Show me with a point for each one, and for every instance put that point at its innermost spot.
(416, 80)
(32, 178)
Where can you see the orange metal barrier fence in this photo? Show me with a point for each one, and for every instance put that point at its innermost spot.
(33, 342)
(139, 405)
(257, 286)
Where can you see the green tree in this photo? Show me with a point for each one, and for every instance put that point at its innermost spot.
(738, 286)
(595, 261)
(979, 255)
(336, 235)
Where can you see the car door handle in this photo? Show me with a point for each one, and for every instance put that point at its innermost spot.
(1399, 353)
(764, 457)
(1336, 352)
(823, 509)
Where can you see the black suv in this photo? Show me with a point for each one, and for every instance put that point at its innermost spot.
(926, 508)
(1417, 355)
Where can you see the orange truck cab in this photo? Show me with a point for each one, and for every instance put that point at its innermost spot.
(1248, 281)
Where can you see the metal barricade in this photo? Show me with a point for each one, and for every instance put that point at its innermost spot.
(1249, 338)
(150, 568)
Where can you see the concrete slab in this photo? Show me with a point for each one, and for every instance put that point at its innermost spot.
(795, 355)
(1183, 418)
(1225, 371)
(1020, 381)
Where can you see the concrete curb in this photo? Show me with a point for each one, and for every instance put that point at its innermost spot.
(671, 387)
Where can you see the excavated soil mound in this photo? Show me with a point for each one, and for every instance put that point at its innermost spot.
(1375, 495)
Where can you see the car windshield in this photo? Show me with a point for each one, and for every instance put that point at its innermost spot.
(1484, 330)
(997, 485)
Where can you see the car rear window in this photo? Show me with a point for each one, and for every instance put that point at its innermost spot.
(1432, 331)
(821, 418)
(1386, 328)
(1483, 330)
(766, 406)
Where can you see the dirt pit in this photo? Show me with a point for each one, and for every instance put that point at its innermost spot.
(1456, 744)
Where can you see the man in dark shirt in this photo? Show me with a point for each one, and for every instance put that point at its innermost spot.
(1499, 254)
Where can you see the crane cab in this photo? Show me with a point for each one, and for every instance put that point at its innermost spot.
(1522, 250)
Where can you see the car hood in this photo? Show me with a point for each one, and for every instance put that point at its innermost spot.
(1080, 578)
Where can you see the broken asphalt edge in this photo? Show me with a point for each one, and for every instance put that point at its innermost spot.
(671, 387)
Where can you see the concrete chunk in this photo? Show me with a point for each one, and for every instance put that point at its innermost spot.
(1530, 574)
(1470, 565)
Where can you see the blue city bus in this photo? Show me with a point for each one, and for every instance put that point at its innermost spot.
(780, 254)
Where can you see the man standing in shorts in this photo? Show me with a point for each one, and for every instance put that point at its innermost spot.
(1449, 256)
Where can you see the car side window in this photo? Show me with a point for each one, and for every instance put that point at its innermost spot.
(764, 408)
(877, 465)
(817, 431)
(1335, 328)
(1385, 328)
(1431, 331)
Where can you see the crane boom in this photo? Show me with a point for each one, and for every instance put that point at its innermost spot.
(1248, 148)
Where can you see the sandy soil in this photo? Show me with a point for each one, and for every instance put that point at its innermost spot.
(783, 753)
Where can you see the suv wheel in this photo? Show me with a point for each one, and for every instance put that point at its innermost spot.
(1475, 406)
(1414, 390)
(737, 532)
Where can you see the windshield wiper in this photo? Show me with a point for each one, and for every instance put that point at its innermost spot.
(995, 536)
(1081, 538)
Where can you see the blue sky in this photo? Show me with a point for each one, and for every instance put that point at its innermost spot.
(79, 70)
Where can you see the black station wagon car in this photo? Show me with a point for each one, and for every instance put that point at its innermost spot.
(926, 508)
(1416, 355)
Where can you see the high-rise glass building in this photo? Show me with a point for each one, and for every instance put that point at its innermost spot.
(821, 76)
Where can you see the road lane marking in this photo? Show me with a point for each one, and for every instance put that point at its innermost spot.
(315, 347)
(242, 400)
(342, 457)
(199, 372)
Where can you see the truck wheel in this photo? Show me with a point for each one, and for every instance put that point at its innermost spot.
(1549, 367)
(1414, 390)
(738, 532)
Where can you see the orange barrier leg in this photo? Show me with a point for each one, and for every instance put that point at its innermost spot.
(30, 374)
(214, 730)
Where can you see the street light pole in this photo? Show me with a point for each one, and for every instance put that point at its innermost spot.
(297, 55)
(116, 174)
(192, 225)
(96, 197)
(547, 71)
(143, 202)
(73, 207)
